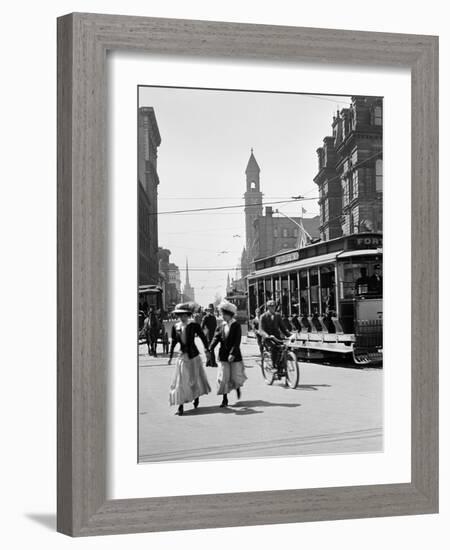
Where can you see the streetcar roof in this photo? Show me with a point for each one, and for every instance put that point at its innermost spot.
(306, 262)
(352, 253)
(316, 260)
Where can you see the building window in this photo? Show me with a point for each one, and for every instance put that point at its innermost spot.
(285, 232)
(379, 176)
(355, 184)
(327, 209)
(377, 116)
(275, 232)
(296, 232)
(345, 192)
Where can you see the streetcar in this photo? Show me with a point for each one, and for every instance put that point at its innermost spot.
(331, 291)
(239, 299)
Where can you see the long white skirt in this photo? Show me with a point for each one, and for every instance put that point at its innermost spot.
(189, 380)
(230, 376)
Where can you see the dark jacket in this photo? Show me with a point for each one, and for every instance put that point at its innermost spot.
(193, 329)
(229, 344)
(272, 325)
(375, 284)
(209, 325)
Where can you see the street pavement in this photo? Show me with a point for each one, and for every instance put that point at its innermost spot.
(335, 409)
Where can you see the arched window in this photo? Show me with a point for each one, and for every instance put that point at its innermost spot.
(253, 185)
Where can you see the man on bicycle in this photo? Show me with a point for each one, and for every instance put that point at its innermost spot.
(272, 329)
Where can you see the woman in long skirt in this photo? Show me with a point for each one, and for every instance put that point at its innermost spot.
(190, 380)
(231, 371)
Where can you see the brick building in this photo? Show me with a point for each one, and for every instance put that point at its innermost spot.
(275, 233)
(149, 140)
(350, 176)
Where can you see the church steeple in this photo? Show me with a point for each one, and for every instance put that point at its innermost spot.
(188, 290)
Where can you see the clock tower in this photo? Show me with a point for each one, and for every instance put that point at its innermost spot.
(253, 206)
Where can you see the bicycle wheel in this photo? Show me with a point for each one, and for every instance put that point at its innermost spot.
(267, 368)
(292, 370)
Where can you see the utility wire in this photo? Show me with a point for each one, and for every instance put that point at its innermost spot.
(226, 207)
(357, 165)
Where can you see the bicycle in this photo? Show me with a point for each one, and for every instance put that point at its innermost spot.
(286, 365)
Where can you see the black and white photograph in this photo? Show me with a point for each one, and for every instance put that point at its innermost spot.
(260, 274)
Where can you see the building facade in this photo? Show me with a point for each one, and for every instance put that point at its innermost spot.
(163, 268)
(275, 233)
(174, 287)
(266, 233)
(149, 140)
(350, 175)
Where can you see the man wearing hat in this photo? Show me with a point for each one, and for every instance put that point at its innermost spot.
(209, 325)
(271, 325)
(376, 281)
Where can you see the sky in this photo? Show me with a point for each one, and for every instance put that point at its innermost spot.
(206, 140)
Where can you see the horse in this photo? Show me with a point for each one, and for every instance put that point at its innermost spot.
(152, 329)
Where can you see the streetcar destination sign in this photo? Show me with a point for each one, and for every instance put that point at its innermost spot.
(291, 257)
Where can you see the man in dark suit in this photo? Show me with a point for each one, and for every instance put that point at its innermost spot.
(209, 325)
(376, 281)
(271, 325)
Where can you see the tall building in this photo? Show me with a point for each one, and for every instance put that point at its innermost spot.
(174, 287)
(163, 263)
(253, 209)
(188, 290)
(149, 140)
(267, 234)
(350, 175)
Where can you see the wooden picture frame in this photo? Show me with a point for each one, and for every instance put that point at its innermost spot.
(83, 41)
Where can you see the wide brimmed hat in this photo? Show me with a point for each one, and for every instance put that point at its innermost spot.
(225, 305)
(186, 307)
(210, 307)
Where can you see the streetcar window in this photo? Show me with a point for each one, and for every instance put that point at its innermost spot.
(327, 288)
(285, 295)
(261, 298)
(294, 293)
(304, 309)
(360, 278)
(269, 289)
(277, 290)
(314, 289)
(252, 299)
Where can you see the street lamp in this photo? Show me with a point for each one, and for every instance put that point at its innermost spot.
(303, 235)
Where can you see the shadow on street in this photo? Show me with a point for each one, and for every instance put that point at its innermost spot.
(217, 410)
(309, 387)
